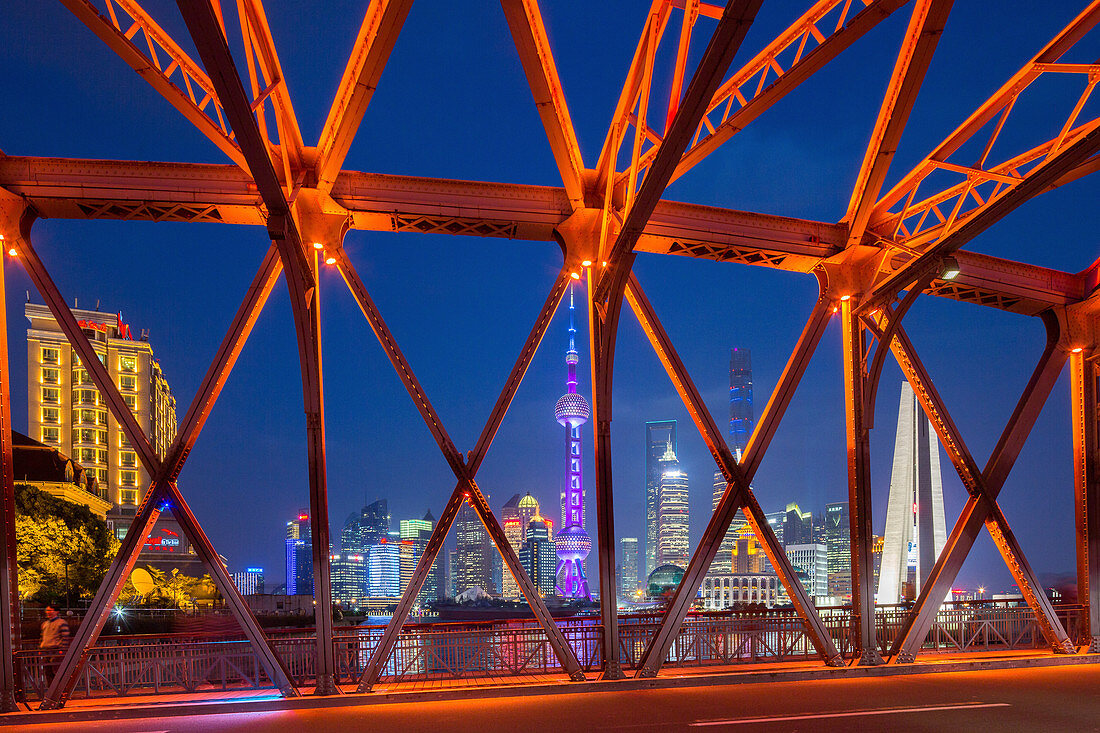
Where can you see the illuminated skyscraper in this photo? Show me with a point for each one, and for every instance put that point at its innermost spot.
(418, 532)
(474, 554)
(249, 581)
(628, 567)
(915, 529)
(658, 436)
(384, 569)
(299, 557)
(538, 556)
(741, 414)
(672, 512)
(573, 543)
(836, 534)
(514, 517)
(348, 573)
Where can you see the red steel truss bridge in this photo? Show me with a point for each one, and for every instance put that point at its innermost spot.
(888, 248)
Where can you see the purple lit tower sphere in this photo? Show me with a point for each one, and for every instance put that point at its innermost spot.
(573, 543)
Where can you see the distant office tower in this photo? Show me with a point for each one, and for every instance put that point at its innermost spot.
(628, 567)
(658, 436)
(66, 411)
(915, 531)
(418, 532)
(837, 539)
(349, 577)
(748, 555)
(515, 516)
(539, 556)
(573, 543)
(452, 573)
(384, 569)
(366, 528)
(876, 555)
(672, 512)
(474, 564)
(798, 526)
(813, 560)
(407, 555)
(741, 414)
(724, 559)
(299, 556)
(249, 581)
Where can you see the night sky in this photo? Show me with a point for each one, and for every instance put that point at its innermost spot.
(453, 102)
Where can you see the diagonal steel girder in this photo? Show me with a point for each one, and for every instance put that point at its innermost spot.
(202, 23)
(162, 492)
(728, 36)
(919, 45)
(983, 486)
(738, 494)
(464, 470)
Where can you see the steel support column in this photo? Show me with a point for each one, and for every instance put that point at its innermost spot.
(1086, 490)
(9, 576)
(865, 637)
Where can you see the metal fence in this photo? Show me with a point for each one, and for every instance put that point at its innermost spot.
(150, 665)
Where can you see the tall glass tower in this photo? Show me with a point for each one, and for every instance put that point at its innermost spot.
(573, 543)
(741, 414)
(659, 435)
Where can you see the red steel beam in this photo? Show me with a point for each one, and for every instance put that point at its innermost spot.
(9, 576)
(739, 494)
(925, 28)
(532, 45)
(1086, 494)
(378, 33)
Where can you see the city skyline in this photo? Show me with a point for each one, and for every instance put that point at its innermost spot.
(806, 463)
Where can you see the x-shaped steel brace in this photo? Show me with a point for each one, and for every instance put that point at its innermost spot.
(163, 492)
(464, 470)
(982, 486)
(738, 494)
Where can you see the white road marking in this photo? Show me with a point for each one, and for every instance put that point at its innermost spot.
(849, 714)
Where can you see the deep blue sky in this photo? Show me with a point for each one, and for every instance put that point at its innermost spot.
(453, 102)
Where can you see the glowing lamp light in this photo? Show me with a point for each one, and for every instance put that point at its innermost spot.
(13, 252)
(835, 309)
(845, 298)
(330, 260)
(1077, 350)
(575, 276)
(950, 269)
(318, 245)
(587, 263)
(303, 517)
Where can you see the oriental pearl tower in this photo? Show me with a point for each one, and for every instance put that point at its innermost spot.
(573, 543)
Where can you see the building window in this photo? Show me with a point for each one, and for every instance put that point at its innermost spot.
(51, 376)
(102, 456)
(127, 459)
(101, 437)
(101, 476)
(101, 419)
(51, 435)
(123, 441)
(86, 436)
(51, 415)
(127, 363)
(127, 478)
(128, 382)
(87, 456)
(127, 496)
(131, 401)
(87, 417)
(51, 356)
(80, 376)
(51, 395)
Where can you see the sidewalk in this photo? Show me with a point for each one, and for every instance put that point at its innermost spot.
(236, 701)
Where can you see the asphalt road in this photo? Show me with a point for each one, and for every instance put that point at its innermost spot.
(1063, 699)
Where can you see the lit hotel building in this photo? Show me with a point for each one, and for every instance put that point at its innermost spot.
(66, 411)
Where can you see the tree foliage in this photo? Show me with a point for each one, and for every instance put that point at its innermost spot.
(170, 590)
(51, 534)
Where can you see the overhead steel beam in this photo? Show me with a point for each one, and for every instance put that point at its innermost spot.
(201, 107)
(462, 471)
(378, 33)
(728, 36)
(917, 48)
(738, 494)
(981, 507)
(1086, 494)
(301, 278)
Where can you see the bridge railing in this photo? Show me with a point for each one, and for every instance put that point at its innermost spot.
(151, 665)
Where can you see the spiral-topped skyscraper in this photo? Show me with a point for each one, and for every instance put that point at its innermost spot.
(573, 543)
